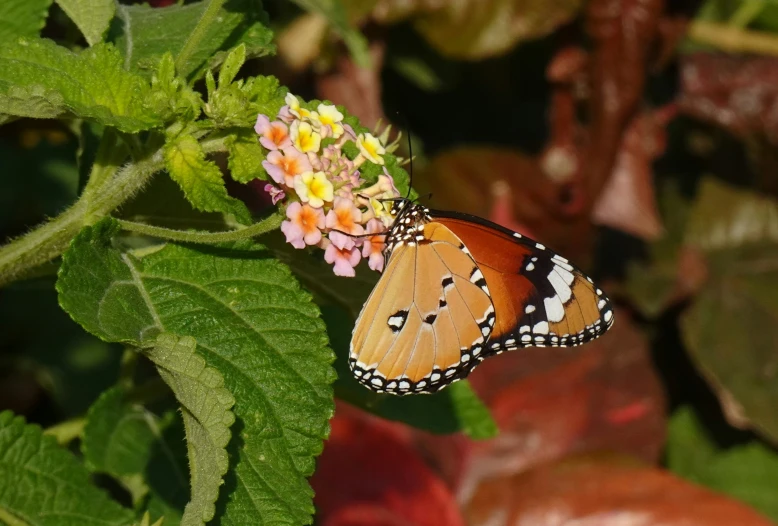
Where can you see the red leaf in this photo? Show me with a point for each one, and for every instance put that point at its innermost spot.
(368, 474)
(603, 491)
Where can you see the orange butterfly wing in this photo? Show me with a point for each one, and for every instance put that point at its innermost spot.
(426, 322)
(539, 298)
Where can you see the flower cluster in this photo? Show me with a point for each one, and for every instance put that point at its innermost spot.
(328, 203)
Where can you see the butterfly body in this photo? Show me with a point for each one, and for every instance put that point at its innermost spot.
(457, 289)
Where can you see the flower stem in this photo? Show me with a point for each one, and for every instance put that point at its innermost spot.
(208, 18)
(257, 229)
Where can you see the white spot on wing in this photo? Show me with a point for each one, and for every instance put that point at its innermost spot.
(561, 288)
(540, 328)
(566, 276)
(530, 266)
(530, 309)
(607, 316)
(555, 311)
(540, 247)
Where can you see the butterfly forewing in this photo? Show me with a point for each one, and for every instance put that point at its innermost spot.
(543, 300)
(427, 320)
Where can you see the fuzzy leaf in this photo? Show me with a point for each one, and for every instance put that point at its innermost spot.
(171, 97)
(246, 156)
(239, 103)
(200, 179)
(42, 484)
(125, 440)
(252, 323)
(40, 79)
(22, 18)
(148, 33)
(206, 407)
(747, 472)
(91, 16)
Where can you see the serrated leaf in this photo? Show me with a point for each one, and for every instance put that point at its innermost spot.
(732, 326)
(232, 64)
(747, 472)
(171, 97)
(252, 323)
(125, 440)
(40, 79)
(205, 404)
(22, 18)
(246, 156)
(147, 33)
(92, 17)
(239, 103)
(337, 16)
(32, 464)
(200, 179)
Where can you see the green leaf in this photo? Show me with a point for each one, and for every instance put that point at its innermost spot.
(125, 440)
(246, 156)
(205, 404)
(747, 472)
(91, 16)
(43, 80)
(252, 323)
(148, 33)
(171, 97)
(232, 64)
(337, 16)
(33, 464)
(239, 103)
(732, 327)
(200, 179)
(22, 18)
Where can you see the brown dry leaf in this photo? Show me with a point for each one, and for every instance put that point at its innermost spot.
(476, 29)
(603, 491)
(550, 402)
(736, 92)
(627, 201)
(476, 180)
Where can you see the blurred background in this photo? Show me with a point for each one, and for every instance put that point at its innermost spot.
(638, 138)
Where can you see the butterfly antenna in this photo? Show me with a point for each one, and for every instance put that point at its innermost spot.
(410, 162)
(384, 233)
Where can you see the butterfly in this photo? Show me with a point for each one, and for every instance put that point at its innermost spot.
(457, 289)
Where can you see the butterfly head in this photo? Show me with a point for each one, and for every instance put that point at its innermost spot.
(408, 225)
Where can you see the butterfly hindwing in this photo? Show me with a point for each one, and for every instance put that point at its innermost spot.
(426, 322)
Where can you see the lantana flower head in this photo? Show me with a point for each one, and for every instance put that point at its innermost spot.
(328, 204)
(282, 167)
(273, 135)
(304, 225)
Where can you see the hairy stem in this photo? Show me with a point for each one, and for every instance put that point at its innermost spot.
(208, 18)
(257, 229)
(51, 239)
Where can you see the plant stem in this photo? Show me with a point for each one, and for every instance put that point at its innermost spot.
(732, 39)
(51, 239)
(209, 15)
(257, 229)
(67, 431)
